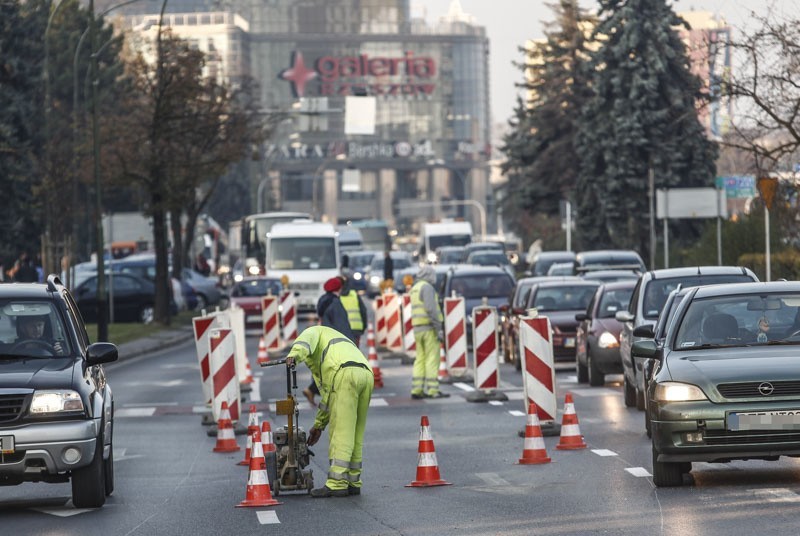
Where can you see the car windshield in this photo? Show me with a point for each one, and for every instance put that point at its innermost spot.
(258, 287)
(306, 253)
(398, 263)
(613, 301)
(657, 290)
(566, 298)
(488, 258)
(32, 328)
(360, 260)
(478, 286)
(450, 256)
(740, 320)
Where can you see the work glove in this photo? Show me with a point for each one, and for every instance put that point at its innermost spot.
(440, 335)
(313, 436)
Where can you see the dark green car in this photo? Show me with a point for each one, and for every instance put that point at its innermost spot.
(727, 383)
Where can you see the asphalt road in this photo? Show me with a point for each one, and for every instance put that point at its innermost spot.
(168, 480)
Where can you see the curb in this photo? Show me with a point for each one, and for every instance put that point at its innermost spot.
(158, 341)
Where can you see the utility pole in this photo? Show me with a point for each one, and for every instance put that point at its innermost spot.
(651, 192)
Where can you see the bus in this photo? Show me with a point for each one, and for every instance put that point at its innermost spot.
(374, 234)
(253, 230)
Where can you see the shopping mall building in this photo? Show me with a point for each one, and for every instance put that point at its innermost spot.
(383, 115)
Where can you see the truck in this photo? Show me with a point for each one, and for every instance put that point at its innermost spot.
(307, 253)
(443, 233)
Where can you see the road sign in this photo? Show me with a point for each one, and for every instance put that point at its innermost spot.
(767, 186)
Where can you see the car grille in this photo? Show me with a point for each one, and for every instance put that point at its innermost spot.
(750, 389)
(11, 407)
(727, 437)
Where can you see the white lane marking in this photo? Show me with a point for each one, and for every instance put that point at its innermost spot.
(255, 394)
(569, 379)
(777, 495)
(268, 517)
(201, 409)
(638, 471)
(516, 413)
(493, 479)
(604, 452)
(495, 403)
(119, 455)
(150, 404)
(68, 510)
(378, 402)
(464, 386)
(135, 412)
(170, 383)
(516, 395)
(597, 391)
(258, 374)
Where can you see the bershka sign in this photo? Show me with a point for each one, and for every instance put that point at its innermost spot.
(352, 150)
(407, 75)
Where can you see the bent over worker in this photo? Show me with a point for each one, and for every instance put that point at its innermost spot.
(427, 320)
(345, 381)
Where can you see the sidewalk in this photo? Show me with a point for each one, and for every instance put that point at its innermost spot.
(158, 341)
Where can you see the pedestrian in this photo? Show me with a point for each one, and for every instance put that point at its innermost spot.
(345, 380)
(388, 269)
(355, 308)
(331, 313)
(427, 320)
(25, 273)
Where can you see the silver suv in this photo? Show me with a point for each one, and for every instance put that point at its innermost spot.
(648, 298)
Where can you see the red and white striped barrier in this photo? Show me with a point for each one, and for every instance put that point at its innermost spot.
(222, 358)
(455, 335)
(202, 326)
(409, 342)
(289, 315)
(484, 344)
(380, 321)
(394, 326)
(236, 316)
(538, 371)
(271, 322)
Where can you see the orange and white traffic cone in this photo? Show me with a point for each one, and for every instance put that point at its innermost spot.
(443, 374)
(252, 426)
(571, 438)
(372, 356)
(248, 372)
(258, 490)
(533, 452)
(262, 357)
(427, 466)
(226, 439)
(266, 438)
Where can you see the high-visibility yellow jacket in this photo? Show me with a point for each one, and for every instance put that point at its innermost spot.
(425, 311)
(352, 304)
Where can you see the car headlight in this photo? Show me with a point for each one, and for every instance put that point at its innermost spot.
(607, 340)
(55, 402)
(357, 276)
(678, 392)
(375, 280)
(238, 277)
(253, 270)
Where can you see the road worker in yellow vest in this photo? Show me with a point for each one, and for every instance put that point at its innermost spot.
(345, 381)
(427, 320)
(356, 310)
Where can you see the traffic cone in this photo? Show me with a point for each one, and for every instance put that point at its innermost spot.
(248, 372)
(372, 355)
(427, 466)
(533, 452)
(262, 357)
(266, 438)
(226, 439)
(443, 375)
(252, 426)
(258, 490)
(571, 438)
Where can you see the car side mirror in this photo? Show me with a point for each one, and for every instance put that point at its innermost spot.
(580, 317)
(645, 331)
(623, 316)
(101, 352)
(503, 308)
(646, 348)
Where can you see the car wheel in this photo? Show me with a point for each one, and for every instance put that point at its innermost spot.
(583, 372)
(596, 377)
(639, 400)
(89, 483)
(667, 474)
(146, 314)
(630, 393)
(202, 302)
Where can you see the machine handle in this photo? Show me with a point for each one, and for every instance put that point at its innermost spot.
(273, 363)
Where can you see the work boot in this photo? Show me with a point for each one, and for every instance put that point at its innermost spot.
(352, 490)
(438, 394)
(325, 491)
(310, 397)
(417, 396)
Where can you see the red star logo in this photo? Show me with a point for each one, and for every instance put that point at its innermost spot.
(298, 74)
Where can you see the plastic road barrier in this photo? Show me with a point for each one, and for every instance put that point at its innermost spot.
(455, 335)
(271, 322)
(538, 372)
(289, 314)
(222, 359)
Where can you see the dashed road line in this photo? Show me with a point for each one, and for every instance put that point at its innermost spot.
(268, 517)
(604, 452)
(495, 403)
(640, 472)
(64, 511)
(516, 413)
(135, 412)
(464, 386)
(378, 402)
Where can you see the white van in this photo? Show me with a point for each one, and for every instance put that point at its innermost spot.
(307, 253)
(445, 233)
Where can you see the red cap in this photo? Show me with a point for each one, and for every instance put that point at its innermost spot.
(333, 284)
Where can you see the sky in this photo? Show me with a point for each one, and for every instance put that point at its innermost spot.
(509, 23)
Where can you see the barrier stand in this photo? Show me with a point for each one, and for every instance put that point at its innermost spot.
(455, 336)
(484, 344)
(202, 326)
(538, 370)
(409, 342)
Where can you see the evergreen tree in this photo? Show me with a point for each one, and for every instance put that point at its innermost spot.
(642, 115)
(541, 166)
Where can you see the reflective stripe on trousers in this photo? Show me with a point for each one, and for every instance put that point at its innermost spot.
(425, 377)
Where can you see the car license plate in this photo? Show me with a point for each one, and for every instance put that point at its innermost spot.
(7, 444)
(764, 420)
(569, 342)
